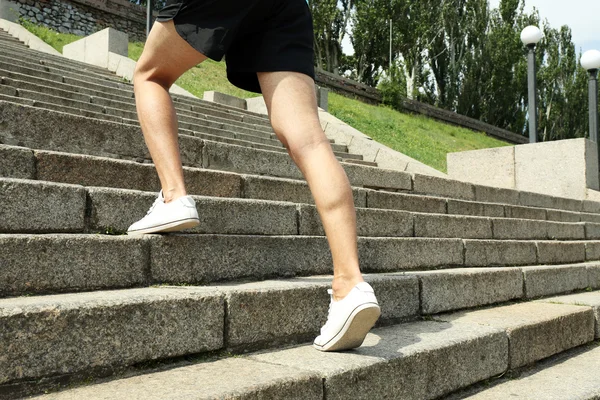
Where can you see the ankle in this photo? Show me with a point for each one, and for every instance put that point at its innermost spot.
(170, 195)
(342, 285)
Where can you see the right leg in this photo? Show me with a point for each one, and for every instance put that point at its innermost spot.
(165, 58)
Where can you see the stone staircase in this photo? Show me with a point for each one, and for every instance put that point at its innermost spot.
(467, 275)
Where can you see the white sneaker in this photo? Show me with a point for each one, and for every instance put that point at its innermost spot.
(349, 319)
(167, 217)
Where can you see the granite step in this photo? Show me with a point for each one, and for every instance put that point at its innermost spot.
(24, 163)
(20, 81)
(571, 375)
(45, 129)
(43, 207)
(73, 102)
(22, 48)
(22, 55)
(413, 360)
(64, 262)
(119, 87)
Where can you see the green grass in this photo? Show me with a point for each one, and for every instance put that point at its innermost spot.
(210, 75)
(53, 38)
(419, 137)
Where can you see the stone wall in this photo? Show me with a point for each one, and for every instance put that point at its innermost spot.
(84, 17)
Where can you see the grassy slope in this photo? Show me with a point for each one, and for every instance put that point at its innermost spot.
(419, 137)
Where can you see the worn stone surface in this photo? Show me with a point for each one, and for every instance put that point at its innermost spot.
(546, 281)
(593, 275)
(541, 200)
(420, 360)
(563, 216)
(234, 158)
(40, 207)
(369, 222)
(591, 206)
(116, 209)
(592, 230)
(535, 330)
(51, 263)
(443, 187)
(490, 253)
(106, 172)
(464, 288)
(461, 207)
(511, 228)
(389, 254)
(572, 378)
(16, 162)
(222, 98)
(590, 218)
(591, 299)
(298, 308)
(210, 258)
(566, 231)
(525, 212)
(238, 378)
(67, 333)
(44, 129)
(376, 178)
(592, 251)
(561, 252)
(496, 195)
(406, 202)
(450, 226)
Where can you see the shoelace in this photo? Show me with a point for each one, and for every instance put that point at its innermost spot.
(324, 328)
(158, 200)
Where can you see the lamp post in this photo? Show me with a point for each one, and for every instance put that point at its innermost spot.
(591, 62)
(149, 7)
(530, 36)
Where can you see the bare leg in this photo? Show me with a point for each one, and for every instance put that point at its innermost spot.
(291, 101)
(165, 58)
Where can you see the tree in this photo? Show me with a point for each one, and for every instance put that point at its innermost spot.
(330, 18)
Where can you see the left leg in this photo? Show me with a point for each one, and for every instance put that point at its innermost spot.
(291, 102)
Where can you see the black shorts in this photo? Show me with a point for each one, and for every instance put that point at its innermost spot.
(253, 35)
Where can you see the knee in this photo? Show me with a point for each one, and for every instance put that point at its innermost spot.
(305, 144)
(147, 73)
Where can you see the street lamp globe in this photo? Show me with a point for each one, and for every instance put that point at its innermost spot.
(591, 60)
(531, 35)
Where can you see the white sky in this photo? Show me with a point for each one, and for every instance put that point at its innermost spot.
(582, 16)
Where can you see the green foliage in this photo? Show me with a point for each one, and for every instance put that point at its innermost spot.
(417, 136)
(53, 38)
(393, 89)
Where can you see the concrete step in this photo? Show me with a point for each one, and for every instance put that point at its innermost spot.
(23, 163)
(414, 360)
(125, 106)
(44, 129)
(44, 207)
(119, 111)
(66, 262)
(23, 56)
(22, 49)
(78, 108)
(119, 87)
(571, 375)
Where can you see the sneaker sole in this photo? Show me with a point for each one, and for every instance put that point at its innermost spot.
(354, 331)
(170, 227)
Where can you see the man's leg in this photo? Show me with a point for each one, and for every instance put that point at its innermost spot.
(165, 58)
(291, 102)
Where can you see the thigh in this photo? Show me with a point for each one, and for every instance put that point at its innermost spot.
(166, 55)
(292, 105)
